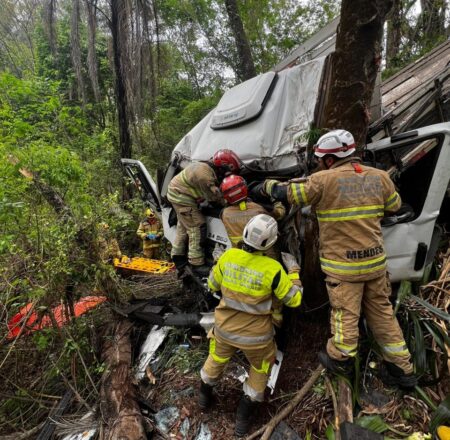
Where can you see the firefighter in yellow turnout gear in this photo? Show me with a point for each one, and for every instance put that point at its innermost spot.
(150, 231)
(196, 184)
(236, 216)
(350, 199)
(248, 282)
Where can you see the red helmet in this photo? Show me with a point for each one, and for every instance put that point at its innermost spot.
(234, 189)
(227, 160)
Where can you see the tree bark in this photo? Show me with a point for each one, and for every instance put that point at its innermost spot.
(394, 34)
(355, 65)
(119, 37)
(92, 55)
(245, 68)
(121, 416)
(49, 20)
(75, 49)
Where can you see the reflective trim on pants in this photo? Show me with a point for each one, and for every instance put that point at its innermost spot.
(348, 300)
(244, 340)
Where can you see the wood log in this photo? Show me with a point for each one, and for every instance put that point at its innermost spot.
(121, 417)
(345, 402)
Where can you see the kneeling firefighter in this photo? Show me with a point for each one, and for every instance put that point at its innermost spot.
(195, 185)
(248, 281)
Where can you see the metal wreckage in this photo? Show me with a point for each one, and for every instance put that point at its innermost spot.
(267, 121)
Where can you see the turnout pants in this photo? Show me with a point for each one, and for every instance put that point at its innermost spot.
(261, 358)
(191, 229)
(151, 252)
(371, 297)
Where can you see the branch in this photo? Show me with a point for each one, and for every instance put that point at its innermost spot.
(268, 428)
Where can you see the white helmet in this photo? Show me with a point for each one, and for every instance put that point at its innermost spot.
(339, 143)
(261, 232)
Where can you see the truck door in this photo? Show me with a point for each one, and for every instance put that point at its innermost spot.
(419, 165)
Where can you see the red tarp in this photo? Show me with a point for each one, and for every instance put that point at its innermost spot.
(60, 313)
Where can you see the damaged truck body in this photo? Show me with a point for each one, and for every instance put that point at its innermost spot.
(267, 121)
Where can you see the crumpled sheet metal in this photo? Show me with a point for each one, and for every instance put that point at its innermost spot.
(153, 341)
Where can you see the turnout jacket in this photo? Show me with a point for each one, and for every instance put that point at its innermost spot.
(235, 218)
(350, 199)
(150, 227)
(196, 183)
(249, 282)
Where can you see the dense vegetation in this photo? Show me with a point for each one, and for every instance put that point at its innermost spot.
(85, 82)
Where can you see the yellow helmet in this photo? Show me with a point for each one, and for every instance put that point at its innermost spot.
(149, 213)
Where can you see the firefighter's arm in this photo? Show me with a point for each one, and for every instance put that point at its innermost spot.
(285, 290)
(292, 267)
(278, 211)
(209, 188)
(160, 232)
(141, 232)
(215, 277)
(392, 200)
(295, 193)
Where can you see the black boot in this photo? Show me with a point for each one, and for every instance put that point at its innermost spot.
(205, 395)
(246, 409)
(202, 271)
(344, 368)
(180, 262)
(391, 375)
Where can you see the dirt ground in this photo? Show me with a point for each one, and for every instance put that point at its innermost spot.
(178, 386)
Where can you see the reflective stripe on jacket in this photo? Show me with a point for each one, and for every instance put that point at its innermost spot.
(248, 282)
(350, 199)
(236, 217)
(195, 183)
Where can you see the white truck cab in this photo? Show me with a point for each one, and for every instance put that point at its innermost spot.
(266, 121)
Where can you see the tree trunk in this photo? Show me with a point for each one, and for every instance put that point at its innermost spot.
(121, 416)
(49, 25)
(92, 55)
(245, 68)
(119, 37)
(394, 34)
(355, 65)
(75, 49)
(354, 69)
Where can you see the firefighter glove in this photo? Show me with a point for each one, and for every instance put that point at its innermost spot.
(217, 252)
(290, 262)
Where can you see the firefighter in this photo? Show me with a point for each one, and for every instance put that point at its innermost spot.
(195, 185)
(240, 209)
(150, 231)
(248, 281)
(108, 247)
(350, 200)
(237, 214)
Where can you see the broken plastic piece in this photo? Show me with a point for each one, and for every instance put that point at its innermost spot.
(146, 265)
(154, 339)
(204, 433)
(184, 428)
(350, 431)
(284, 432)
(207, 321)
(166, 418)
(275, 371)
(61, 314)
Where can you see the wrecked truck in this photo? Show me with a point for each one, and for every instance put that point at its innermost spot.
(267, 121)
